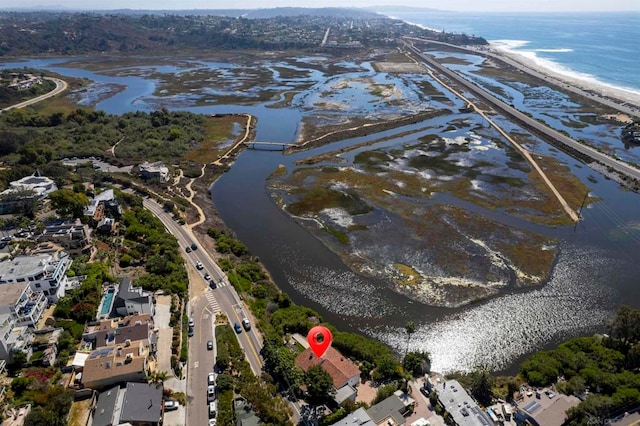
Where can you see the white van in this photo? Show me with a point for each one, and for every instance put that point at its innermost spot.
(213, 409)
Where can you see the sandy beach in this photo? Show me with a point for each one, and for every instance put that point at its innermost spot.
(625, 101)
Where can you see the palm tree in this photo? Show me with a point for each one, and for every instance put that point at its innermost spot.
(410, 328)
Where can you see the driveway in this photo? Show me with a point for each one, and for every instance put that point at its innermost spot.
(165, 334)
(422, 406)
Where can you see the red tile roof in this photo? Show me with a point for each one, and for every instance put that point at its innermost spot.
(340, 368)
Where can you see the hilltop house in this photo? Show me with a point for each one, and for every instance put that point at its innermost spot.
(73, 236)
(460, 405)
(45, 273)
(139, 404)
(545, 407)
(14, 338)
(113, 332)
(344, 373)
(132, 300)
(154, 171)
(113, 365)
(25, 305)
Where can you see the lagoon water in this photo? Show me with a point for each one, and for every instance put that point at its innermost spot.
(596, 271)
(598, 47)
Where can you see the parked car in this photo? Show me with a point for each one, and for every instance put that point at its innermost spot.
(211, 379)
(210, 345)
(237, 327)
(170, 405)
(191, 322)
(190, 332)
(7, 238)
(211, 393)
(246, 324)
(213, 411)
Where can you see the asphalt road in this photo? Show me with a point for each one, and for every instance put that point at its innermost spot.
(512, 113)
(201, 362)
(61, 86)
(203, 304)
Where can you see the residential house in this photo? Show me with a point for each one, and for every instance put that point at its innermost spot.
(73, 236)
(40, 185)
(357, 418)
(14, 338)
(109, 366)
(45, 273)
(20, 301)
(545, 407)
(139, 404)
(341, 369)
(460, 405)
(391, 411)
(132, 300)
(154, 171)
(106, 411)
(245, 416)
(103, 205)
(107, 226)
(125, 331)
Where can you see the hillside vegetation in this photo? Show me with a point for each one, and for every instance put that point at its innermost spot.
(49, 33)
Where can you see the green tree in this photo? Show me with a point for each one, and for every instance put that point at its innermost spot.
(69, 203)
(481, 384)
(417, 363)
(319, 383)
(409, 328)
(386, 368)
(384, 392)
(625, 326)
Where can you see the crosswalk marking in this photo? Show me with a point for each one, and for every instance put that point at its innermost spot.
(213, 302)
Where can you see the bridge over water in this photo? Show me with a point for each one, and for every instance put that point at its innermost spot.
(268, 145)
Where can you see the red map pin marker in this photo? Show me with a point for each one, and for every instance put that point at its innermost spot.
(319, 339)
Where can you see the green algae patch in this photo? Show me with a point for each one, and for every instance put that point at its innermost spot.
(319, 198)
(406, 275)
(280, 171)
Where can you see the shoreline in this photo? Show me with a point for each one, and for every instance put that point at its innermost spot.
(627, 99)
(601, 89)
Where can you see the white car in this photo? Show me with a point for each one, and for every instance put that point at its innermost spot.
(170, 405)
(211, 392)
(199, 265)
(191, 322)
(211, 379)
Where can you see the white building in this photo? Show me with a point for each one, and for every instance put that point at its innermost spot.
(20, 301)
(40, 185)
(13, 338)
(45, 273)
(154, 171)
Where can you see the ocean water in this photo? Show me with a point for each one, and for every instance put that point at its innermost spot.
(600, 48)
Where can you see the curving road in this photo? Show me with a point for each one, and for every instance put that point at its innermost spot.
(61, 86)
(512, 113)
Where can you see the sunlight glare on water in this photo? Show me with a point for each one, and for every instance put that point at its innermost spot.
(499, 331)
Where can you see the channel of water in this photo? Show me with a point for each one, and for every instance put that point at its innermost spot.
(596, 271)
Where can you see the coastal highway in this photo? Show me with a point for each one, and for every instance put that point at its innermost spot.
(204, 302)
(61, 86)
(620, 106)
(514, 114)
